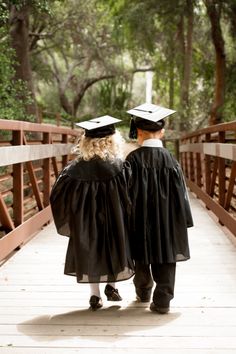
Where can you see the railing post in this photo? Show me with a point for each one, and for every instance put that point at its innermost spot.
(214, 169)
(17, 223)
(177, 149)
(191, 164)
(208, 168)
(65, 157)
(221, 162)
(186, 164)
(18, 183)
(46, 173)
(198, 166)
(230, 188)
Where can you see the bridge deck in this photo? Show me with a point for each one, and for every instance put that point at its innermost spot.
(43, 311)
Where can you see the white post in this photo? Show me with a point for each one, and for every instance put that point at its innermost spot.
(149, 76)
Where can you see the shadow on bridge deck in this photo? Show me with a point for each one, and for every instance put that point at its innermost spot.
(43, 311)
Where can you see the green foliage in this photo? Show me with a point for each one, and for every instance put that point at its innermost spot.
(114, 96)
(11, 92)
(4, 12)
(134, 25)
(41, 5)
(230, 105)
(83, 40)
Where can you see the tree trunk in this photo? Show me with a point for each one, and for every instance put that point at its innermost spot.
(213, 11)
(171, 71)
(19, 32)
(171, 76)
(186, 66)
(71, 107)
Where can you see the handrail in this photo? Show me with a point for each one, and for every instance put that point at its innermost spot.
(31, 156)
(208, 159)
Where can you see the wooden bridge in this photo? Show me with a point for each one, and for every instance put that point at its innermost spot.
(43, 311)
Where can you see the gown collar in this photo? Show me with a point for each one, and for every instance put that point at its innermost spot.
(152, 143)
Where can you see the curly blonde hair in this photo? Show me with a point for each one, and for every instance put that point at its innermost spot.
(109, 147)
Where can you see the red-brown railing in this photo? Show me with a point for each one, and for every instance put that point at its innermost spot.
(208, 158)
(32, 154)
(30, 157)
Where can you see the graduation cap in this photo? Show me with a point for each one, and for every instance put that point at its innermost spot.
(99, 127)
(148, 117)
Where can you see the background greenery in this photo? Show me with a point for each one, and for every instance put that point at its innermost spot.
(83, 59)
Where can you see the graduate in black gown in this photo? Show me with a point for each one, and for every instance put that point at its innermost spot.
(160, 209)
(90, 204)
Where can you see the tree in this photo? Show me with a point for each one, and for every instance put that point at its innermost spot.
(214, 10)
(185, 55)
(83, 59)
(19, 32)
(80, 53)
(19, 22)
(11, 107)
(164, 36)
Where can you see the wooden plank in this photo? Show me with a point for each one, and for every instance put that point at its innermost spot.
(5, 217)
(21, 233)
(80, 316)
(223, 150)
(121, 342)
(213, 177)
(37, 329)
(19, 350)
(231, 185)
(34, 184)
(213, 129)
(228, 220)
(193, 147)
(43, 311)
(18, 154)
(33, 181)
(200, 300)
(35, 127)
(55, 167)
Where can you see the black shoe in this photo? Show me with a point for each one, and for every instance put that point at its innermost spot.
(161, 310)
(112, 294)
(95, 302)
(143, 295)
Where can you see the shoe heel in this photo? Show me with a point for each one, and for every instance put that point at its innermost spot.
(109, 298)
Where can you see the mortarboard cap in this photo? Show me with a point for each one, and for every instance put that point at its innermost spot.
(99, 127)
(148, 117)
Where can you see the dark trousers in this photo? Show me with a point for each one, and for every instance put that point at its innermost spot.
(164, 277)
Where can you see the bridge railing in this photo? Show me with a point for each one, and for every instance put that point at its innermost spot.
(208, 159)
(32, 154)
(30, 157)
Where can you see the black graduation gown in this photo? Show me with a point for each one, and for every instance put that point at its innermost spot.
(90, 204)
(160, 207)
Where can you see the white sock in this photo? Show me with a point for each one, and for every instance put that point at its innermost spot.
(94, 289)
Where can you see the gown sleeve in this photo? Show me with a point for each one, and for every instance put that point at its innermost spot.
(60, 203)
(188, 213)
